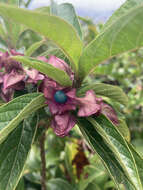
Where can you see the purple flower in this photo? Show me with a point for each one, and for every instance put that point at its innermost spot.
(33, 76)
(62, 101)
(58, 63)
(14, 76)
(11, 77)
(63, 123)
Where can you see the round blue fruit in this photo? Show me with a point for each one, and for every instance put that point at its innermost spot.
(60, 97)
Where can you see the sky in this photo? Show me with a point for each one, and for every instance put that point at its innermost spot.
(86, 4)
(89, 8)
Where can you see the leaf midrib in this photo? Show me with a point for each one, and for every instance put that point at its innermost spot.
(103, 134)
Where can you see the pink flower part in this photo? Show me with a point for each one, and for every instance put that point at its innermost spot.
(7, 94)
(34, 75)
(42, 58)
(13, 52)
(58, 63)
(1, 77)
(57, 108)
(109, 112)
(62, 124)
(11, 79)
(88, 105)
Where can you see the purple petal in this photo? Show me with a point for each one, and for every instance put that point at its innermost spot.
(13, 52)
(34, 75)
(48, 93)
(12, 78)
(40, 77)
(88, 105)
(11, 65)
(7, 94)
(109, 112)
(1, 77)
(60, 64)
(71, 93)
(18, 86)
(56, 108)
(62, 124)
(42, 58)
(51, 83)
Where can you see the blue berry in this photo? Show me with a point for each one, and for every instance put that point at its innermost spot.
(60, 97)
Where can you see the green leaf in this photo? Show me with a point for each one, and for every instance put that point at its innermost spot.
(43, 9)
(121, 35)
(20, 185)
(120, 148)
(129, 4)
(67, 12)
(59, 184)
(2, 31)
(14, 152)
(54, 73)
(12, 113)
(106, 155)
(139, 162)
(124, 130)
(66, 37)
(107, 90)
(33, 48)
(138, 144)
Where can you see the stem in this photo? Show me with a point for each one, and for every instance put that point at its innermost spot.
(43, 161)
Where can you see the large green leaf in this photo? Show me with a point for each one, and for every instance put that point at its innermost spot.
(97, 143)
(107, 90)
(121, 35)
(52, 27)
(129, 4)
(43, 9)
(20, 185)
(58, 75)
(14, 152)
(120, 148)
(67, 12)
(138, 160)
(12, 113)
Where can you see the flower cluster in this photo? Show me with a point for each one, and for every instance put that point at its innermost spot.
(13, 76)
(62, 101)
